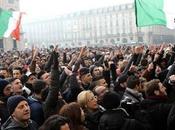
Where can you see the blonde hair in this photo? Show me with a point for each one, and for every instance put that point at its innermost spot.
(82, 98)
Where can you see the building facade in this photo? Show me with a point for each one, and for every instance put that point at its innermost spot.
(97, 27)
(9, 43)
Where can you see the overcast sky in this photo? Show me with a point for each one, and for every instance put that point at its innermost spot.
(36, 9)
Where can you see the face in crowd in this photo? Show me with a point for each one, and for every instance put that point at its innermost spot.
(87, 100)
(47, 78)
(16, 86)
(87, 78)
(17, 73)
(4, 72)
(22, 112)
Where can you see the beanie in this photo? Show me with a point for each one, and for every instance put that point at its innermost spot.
(83, 71)
(110, 100)
(3, 84)
(13, 102)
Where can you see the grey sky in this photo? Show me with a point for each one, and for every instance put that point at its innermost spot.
(36, 9)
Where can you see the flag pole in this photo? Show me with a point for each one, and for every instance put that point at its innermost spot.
(137, 35)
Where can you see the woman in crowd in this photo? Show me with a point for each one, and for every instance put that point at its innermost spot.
(93, 111)
(75, 114)
(55, 122)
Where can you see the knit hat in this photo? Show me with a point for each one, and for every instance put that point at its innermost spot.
(110, 100)
(13, 102)
(83, 71)
(3, 83)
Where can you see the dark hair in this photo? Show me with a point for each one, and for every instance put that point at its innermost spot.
(18, 68)
(40, 74)
(110, 100)
(10, 80)
(2, 77)
(38, 85)
(4, 68)
(73, 112)
(54, 123)
(151, 86)
(132, 81)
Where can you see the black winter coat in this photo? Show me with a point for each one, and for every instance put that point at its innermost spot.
(158, 112)
(92, 119)
(116, 119)
(11, 124)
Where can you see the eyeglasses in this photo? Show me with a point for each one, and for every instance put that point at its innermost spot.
(92, 98)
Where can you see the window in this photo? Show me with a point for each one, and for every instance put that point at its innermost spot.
(140, 39)
(124, 40)
(11, 1)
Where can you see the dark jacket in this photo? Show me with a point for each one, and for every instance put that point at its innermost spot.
(74, 88)
(92, 119)
(116, 119)
(171, 119)
(11, 124)
(158, 111)
(131, 100)
(36, 108)
(53, 103)
(4, 114)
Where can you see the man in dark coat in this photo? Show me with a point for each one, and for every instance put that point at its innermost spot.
(156, 105)
(19, 115)
(36, 103)
(116, 118)
(5, 92)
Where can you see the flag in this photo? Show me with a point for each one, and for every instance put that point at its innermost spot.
(9, 20)
(155, 12)
(16, 32)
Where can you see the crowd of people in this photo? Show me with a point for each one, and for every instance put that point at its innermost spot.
(107, 88)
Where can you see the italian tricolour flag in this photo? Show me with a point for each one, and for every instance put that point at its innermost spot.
(155, 12)
(9, 24)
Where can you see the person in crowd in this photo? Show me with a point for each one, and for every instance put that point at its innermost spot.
(4, 72)
(99, 82)
(29, 80)
(99, 91)
(16, 86)
(156, 105)
(43, 75)
(95, 71)
(75, 114)
(17, 72)
(93, 111)
(55, 122)
(132, 95)
(116, 118)
(121, 84)
(5, 93)
(53, 101)
(19, 111)
(85, 77)
(36, 103)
